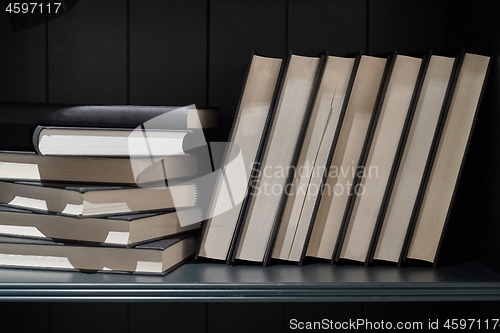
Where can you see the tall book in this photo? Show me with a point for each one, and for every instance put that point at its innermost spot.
(342, 170)
(319, 143)
(279, 158)
(436, 89)
(376, 166)
(439, 188)
(248, 133)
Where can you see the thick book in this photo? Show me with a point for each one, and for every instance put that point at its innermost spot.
(362, 101)
(249, 129)
(439, 188)
(280, 155)
(95, 200)
(108, 142)
(316, 151)
(376, 166)
(121, 230)
(29, 166)
(435, 91)
(157, 257)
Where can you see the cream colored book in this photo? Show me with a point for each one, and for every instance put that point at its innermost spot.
(248, 130)
(342, 170)
(416, 152)
(156, 257)
(317, 145)
(381, 156)
(279, 152)
(95, 200)
(447, 162)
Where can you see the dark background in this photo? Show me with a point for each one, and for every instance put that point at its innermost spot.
(180, 52)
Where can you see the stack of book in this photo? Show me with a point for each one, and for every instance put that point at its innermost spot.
(349, 158)
(95, 196)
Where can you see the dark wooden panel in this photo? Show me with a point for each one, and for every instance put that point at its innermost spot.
(406, 26)
(245, 317)
(25, 317)
(236, 28)
(167, 317)
(301, 316)
(89, 317)
(337, 26)
(22, 62)
(168, 52)
(422, 314)
(88, 54)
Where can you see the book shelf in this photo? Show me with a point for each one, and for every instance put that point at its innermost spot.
(213, 75)
(209, 282)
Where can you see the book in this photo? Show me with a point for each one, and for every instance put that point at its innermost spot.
(342, 170)
(29, 166)
(95, 200)
(280, 154)
(20, 119)
(319, 142)
(108, 116)
(107, 142)
(121, 230)
(157, 257)
(248, 132)
(375, 167)
(438, 189)
(396, 220)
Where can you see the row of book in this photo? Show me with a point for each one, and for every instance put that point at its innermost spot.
(348, 158)
(86, 197)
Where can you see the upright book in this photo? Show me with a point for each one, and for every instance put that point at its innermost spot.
(342, 170)
(319, 142)
(432, 104)
(248, 132)
(280, 154)
(376, 166)
(438, 190)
